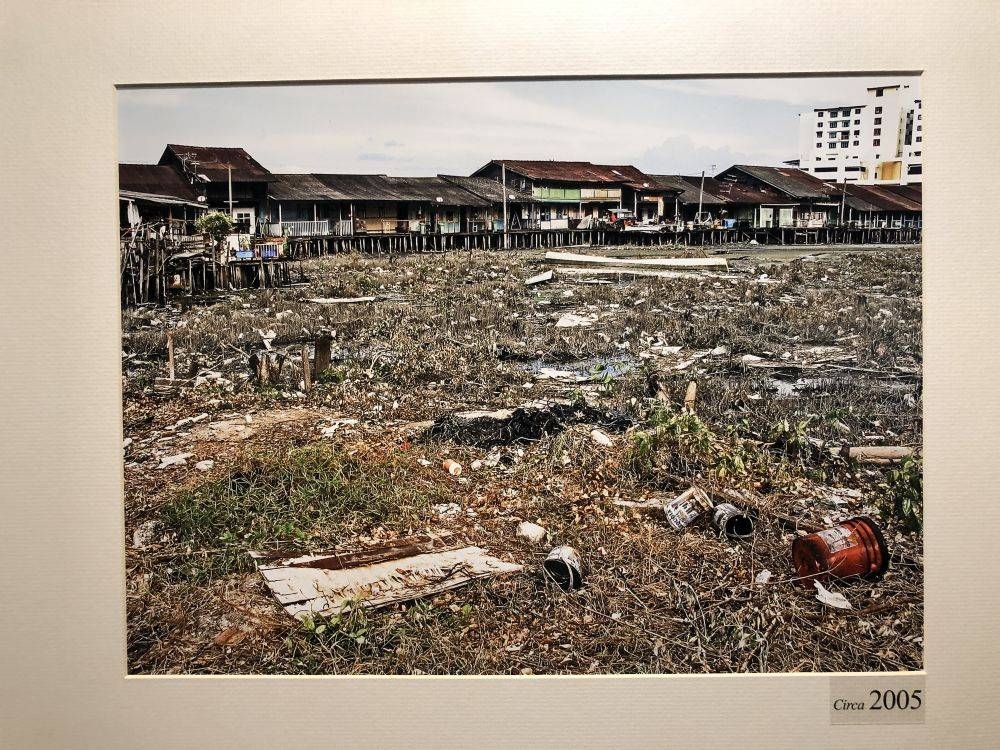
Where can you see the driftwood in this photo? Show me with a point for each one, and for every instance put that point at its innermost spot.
(876, 454)
(576, 259)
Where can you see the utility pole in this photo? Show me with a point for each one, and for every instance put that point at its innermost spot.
(843, 199)
(503, 178)
(701, 192)
(229, 172)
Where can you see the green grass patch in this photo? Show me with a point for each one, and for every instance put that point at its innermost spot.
(307, 498)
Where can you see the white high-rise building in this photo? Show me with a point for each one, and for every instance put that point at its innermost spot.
(877, 141)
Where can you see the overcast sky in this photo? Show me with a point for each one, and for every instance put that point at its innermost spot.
(662, 126)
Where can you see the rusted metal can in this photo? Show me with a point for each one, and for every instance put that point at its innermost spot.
(564, 565)
(855, 548)
(684, 509)
(732, 521)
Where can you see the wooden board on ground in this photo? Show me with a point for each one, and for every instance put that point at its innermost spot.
(411, 568)
(576, 259)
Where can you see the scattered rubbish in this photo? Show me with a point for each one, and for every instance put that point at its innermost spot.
(447, 509)
(668, 263)
(531, 531)
(601, 438)
(876, 454)
(732, 521)
(530, 421)
(647, 506)
(476, 465)
(763, 577)
(145, 534)
(230, 636)
(452, 467)
(339, 300)
(188, 421)
(685, 508)
(409, 568)
(336, 425)
(126, 443)
(831, 598)
(205, 465)
(179, 460)
(571, 320)
(564, 565)
(854, 548)
(540, 278)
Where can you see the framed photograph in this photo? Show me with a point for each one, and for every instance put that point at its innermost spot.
(482, 369)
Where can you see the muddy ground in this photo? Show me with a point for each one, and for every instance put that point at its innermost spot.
(795, 352)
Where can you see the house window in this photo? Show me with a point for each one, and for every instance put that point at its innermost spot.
(876, 156)
(857, 132)
(877, 131)
(857, 122)
(920, 127)
(876, 142)
(819, 134)
(819, 114)
(819, 158)
(919, 139)
(846, 113)
(857, 143)
(833, 144)
(878, 110)
(878, 92)
(857, 111)
(878, 120)
(843, 144)
(915, 169)
(819, 145)
(916, 153)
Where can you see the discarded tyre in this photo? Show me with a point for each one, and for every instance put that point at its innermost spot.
(855, 548)
(564, 565)
(732, 521)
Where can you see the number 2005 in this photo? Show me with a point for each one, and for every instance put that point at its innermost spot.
(895, 699)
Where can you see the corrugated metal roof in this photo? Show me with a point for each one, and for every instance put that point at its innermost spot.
(212, 162)
(792, 182)
(488, 189)
(299, 187)
(579, 172)
(380, 187)
(688, 192)
(433, 190)
(735, 192)
(154, 179)
(884, 197)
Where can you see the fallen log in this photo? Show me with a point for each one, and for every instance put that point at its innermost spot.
(877, 454)
(668, 263)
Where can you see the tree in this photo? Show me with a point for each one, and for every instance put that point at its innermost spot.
(215, 224)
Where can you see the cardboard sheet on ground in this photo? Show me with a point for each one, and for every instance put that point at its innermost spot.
(411, 568)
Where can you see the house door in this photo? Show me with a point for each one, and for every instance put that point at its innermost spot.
(766, 217)
(245, 220)
(785, 217)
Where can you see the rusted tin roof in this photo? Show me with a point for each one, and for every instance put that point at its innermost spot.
(380, 187)
(487, 189)
(212, 162)
(794, 183)
(579, 172)
(734, 192)
(884, 197)
(155, 180)
(688, 191)
(299, 187)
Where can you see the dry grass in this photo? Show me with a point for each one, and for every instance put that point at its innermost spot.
(455, 332)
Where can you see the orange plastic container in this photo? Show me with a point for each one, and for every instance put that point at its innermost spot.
(855, 548)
